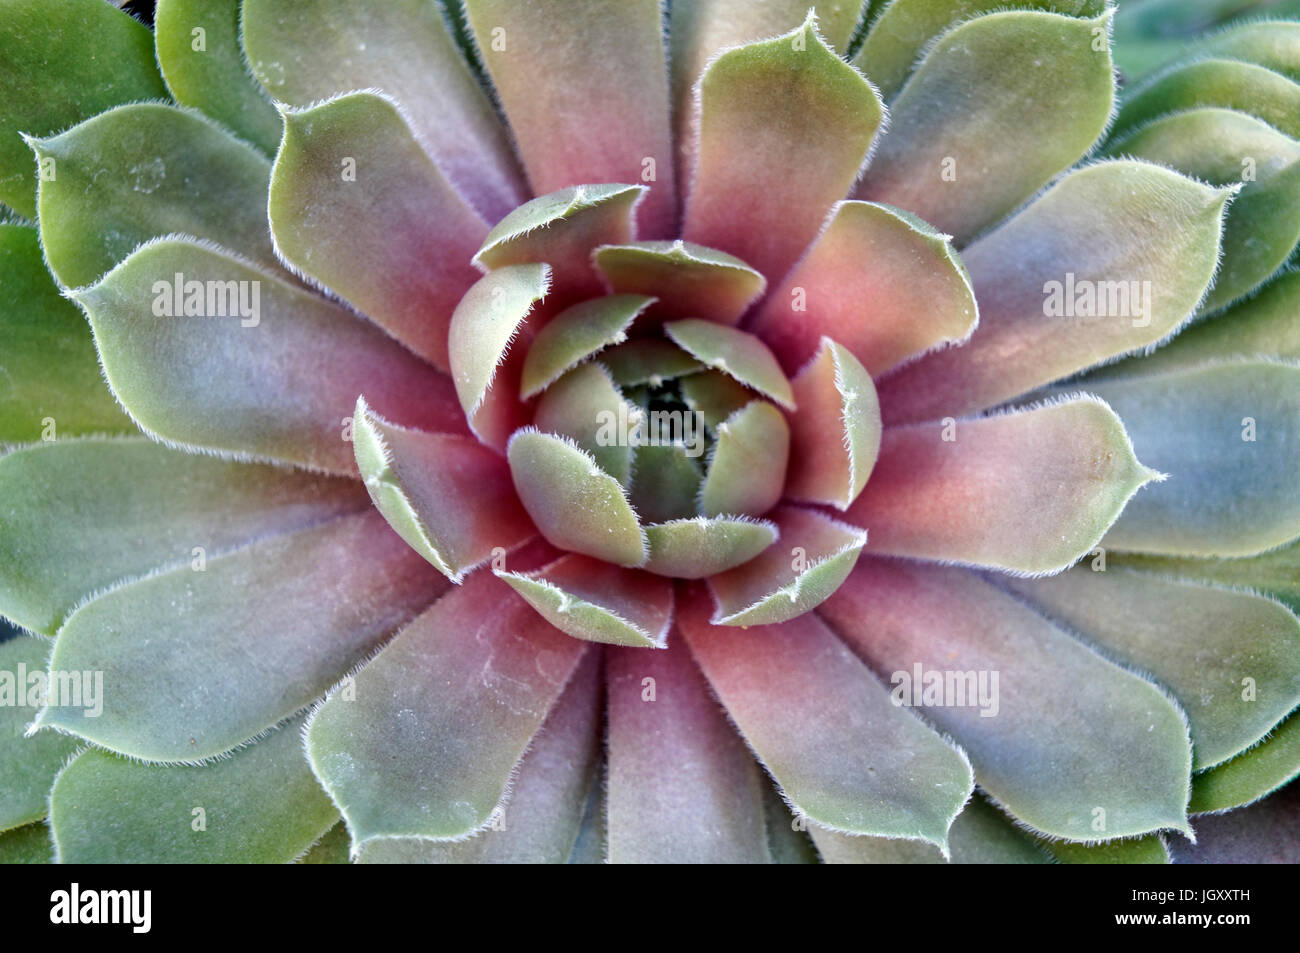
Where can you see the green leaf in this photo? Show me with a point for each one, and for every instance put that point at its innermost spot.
(1263, 324)
(592, 600)
(878, 280)
(30, 763)
(682, 788)
(239, 645)
(357, 205)
(402, 760)
(815, 555)
(1150, 33)
(1275, 572)
(1034, 735)
(575, 504)
(1134, 850)
(143, 171)
(265, 370)
(59, 65)
(27, 845)
(82, 516)
(585, 406)
(448, 496)
(1252, 774)
(899, 36)
(577, 333)
(333, 848)
(602, 113)
(715, 396)
(1029, 491)
(787, 838)
(260, 805)
(687, 280)
(49, 366)
(701, 547)
(1229, 84)
(561, 229)
(735, 353)
(981, 834)
(540, 822)
(1271, 43)
(746, 473)
(483, 327)
(1227, 434)
(1231, 659)
(700, 29)
(647, 361)
(314, 49)
(666, 481)
(203, 63)
(1000, 105)
(824, 728)
(764, 109)
(1223, 147)
(835, 433)
(1063, 286)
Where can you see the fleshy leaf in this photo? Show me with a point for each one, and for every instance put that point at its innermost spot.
(715, 396)
(240, 644)
(1038, 751)
(1000, 105)
(735, 353)
(647, 361)
(682, 786)
(824, 728)
(83, 515)
(1063, 285)
(1228, 434)
(49, 365)
(602, 113)
(592, 600)
(879, 281)
(689, 281)
(333, 848)
(448, 496)
(206, 69)
(59, 65)
(1222, 147)
(540, 822)
(666, 480)
(765, 109)
(1230, 659)
(815, 555)
(1252, 774)
(1029, 491)
(314, 49)
(575, 334)
(1263, 833)
(1149, 849)
(30, 763)
(981, 834)
(575, 504)
(357, 204)
(264, 370)
(700, 29)
(746, 474)
(1229, 84)
(899, 35)
(27, 845)
(428, 744)
(261, 805)
(701, 547)
(1274, 573)
(585, 406)
(483, 327)
(835, 433)
(1271, 43)
(561, 229)
(142, 171)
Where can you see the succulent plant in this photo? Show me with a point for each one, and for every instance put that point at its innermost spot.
(581, 430)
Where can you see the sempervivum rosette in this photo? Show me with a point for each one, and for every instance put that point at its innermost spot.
(572, 430)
